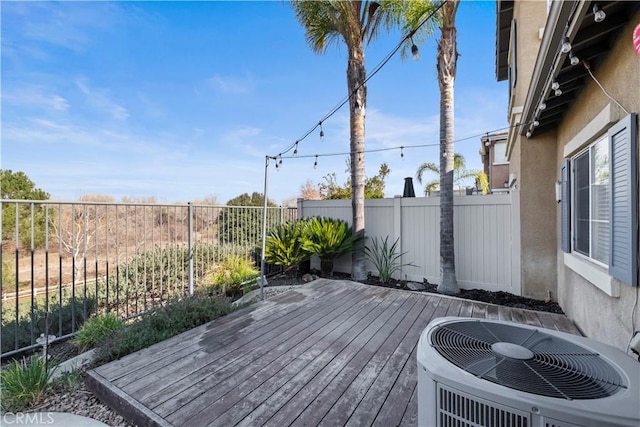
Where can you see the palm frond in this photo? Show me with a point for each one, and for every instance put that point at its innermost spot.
(426, 167)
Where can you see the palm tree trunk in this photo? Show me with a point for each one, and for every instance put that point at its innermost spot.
(356, 75)
(447, 58)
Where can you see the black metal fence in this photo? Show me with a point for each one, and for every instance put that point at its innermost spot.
(62, 263)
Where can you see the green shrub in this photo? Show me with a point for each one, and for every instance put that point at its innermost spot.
(96, 330)
(24, 383)
(329, 238)
(230, 276)
(385, 258)
(161, 324)
(58, 315)
(284, 245)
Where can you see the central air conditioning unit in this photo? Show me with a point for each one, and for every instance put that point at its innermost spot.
(483, 373)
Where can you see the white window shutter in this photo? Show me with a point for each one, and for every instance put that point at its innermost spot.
(565, 207)
(623, 168)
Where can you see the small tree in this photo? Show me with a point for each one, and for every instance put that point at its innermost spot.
(241, 226)
(18, 186)
(373, 187)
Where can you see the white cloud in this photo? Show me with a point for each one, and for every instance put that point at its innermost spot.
(36, 96)
(101, 99)
(232, 84)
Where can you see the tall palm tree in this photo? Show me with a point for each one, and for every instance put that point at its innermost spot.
(356, 23)
(446, 66)
(460, 172)
(410, 13)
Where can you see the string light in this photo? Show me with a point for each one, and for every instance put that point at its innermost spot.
(321, 131)
(414, 51)
(295, 152)
(566, 45)
(315, 164)
(543, 106)
(598, 14)
(573, 59)
(555, 85)
(558, 92)
(402, 152)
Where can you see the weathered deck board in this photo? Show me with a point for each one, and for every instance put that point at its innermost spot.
(329, 353)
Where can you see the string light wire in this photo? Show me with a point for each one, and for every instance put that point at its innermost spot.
(375, 71)
(400, 147)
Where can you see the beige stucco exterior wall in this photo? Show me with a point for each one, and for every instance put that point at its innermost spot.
(598, 315)
(534, 164)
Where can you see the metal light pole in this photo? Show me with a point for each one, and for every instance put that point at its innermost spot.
(264, 227)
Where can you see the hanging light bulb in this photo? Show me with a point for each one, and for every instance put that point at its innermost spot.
(573, 59)
(315, 164)
(295, 150)
(536, 123)
(555, 85)
(566, 45)
(402, 152)
(528, 134)
(558, 92)
(543, 106)
(415, 53)
(280, 162)
(598, 14)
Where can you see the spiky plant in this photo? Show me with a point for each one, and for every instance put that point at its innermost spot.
(329, 238)
(284, 246)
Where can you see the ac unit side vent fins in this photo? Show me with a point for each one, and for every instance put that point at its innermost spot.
(528, 360)
(456, 409)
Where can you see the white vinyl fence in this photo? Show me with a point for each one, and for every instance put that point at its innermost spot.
(486, 233)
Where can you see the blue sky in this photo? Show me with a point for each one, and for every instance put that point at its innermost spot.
(181, 101)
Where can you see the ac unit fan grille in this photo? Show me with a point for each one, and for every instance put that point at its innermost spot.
(556, 367)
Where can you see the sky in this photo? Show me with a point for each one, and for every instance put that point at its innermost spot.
(182, 101)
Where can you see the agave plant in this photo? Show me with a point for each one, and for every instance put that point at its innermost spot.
(329, 238)
(284, 246)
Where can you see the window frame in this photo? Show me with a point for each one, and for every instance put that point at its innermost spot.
(588, 150)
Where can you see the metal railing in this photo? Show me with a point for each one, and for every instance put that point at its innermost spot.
(63, 262)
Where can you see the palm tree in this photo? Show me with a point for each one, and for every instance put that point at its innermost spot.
(446, 66)
(410, 13)
(460, 172)
(356, 23)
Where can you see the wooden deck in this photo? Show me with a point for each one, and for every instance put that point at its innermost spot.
(329, 353)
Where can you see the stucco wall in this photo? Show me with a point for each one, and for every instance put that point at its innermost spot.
(599, 316)
(534, 164)
(538, 215)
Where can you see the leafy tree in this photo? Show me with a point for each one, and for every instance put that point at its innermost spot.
(356, 23)
(460, 173)
(18, 186)
(373, 187)
(308, 191)
(241, 222)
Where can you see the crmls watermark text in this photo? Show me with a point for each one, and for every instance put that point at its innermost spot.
(27, 418)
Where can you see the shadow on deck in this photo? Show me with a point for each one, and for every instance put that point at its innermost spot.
(327, 353)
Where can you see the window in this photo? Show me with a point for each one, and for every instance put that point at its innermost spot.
(500, 153)
(591, 202)
(599, 211)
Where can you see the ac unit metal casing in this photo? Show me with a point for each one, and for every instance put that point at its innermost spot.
(450, 396)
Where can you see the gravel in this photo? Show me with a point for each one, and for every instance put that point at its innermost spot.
(77, 399)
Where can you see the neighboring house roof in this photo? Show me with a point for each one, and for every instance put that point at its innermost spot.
(590, 42)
